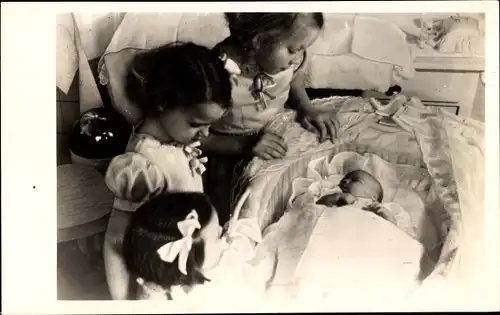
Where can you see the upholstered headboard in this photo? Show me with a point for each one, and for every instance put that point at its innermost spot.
(353, 51)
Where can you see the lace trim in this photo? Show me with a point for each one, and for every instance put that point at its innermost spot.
(429, 134)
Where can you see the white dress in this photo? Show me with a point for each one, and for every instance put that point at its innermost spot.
(248, 113)
(148, 168)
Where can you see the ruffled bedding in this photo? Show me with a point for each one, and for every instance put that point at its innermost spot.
(405, 187)
(325, 253)
(438, 156)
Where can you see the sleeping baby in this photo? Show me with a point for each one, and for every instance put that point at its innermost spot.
(299, 239)
(359, 186)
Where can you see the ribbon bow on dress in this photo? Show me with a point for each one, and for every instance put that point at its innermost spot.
(196, 163)
(180, 249)
(261, 83)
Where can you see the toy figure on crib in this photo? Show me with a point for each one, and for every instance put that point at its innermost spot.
(386, 111)
(266, 56)
(362, 188)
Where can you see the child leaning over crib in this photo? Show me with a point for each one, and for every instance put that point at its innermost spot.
(174, 249)
(266, 53)
(182, 88)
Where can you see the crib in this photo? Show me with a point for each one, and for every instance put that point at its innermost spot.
(436, 159)
(445, 149)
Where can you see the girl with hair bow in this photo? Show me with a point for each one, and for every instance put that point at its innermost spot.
(182, 88)
(176, 250)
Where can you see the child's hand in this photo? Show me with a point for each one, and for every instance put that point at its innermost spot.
(375, 208)
(270, 146)
(225, 229)
(320, 122)
(337, 199)
(381, 212)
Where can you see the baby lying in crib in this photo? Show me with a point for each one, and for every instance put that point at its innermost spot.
(352, 244)
(361, 187)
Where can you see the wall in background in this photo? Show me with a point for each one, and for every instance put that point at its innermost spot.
(96, 31)
(68, 111)
(479, 104)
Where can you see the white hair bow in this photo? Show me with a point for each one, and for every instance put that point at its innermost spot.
(182, 247)
(231, 67)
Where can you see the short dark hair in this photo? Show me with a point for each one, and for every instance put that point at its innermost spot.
(245, 26)
(153, 225)
(177, 74)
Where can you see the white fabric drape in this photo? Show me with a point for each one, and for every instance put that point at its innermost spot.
(82, 37)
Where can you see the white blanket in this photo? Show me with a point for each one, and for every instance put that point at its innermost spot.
(347, 255)
(354, 253)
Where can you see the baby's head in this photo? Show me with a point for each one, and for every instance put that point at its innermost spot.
(163, 220)
(362, 184)
(275, 40)
(182, 86)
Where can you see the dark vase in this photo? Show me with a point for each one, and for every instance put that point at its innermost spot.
(98, 136)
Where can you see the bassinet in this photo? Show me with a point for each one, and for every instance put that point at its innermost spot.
(449, 148)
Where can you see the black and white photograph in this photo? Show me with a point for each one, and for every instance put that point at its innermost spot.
(315, 160)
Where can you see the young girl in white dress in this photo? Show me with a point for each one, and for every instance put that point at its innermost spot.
(175, 250)
(266, 54)
(182, 88)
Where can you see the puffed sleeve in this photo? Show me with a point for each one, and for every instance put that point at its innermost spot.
(241, 239)
(133, 179)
